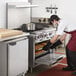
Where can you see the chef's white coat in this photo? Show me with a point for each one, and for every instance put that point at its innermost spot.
(64, 26)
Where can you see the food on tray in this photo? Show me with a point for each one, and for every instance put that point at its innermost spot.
(38, 52)
(39, 46)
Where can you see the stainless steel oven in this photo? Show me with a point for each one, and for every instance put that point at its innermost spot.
(37, 56)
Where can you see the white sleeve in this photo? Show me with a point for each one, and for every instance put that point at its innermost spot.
(61, 28)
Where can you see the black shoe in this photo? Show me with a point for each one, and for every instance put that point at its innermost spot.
(74, 73)
(68, 69)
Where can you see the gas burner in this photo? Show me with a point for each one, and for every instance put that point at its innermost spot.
(43, 35)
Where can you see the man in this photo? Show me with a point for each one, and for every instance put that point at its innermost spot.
(62, 30)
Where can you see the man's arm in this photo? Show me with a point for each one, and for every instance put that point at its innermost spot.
(58, 42)
(63, 37)
(53, 40)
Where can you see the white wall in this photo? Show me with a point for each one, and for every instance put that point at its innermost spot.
(3, 11)
(16, 0)
(66, 9)
(40, 11)
(18, 16)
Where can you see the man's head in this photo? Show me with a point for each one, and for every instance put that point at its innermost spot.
(54, 19)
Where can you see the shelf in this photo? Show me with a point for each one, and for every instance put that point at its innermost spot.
(26, 6)
(20, 5)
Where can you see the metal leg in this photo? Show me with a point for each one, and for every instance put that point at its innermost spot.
(31, 70)
(23, 74)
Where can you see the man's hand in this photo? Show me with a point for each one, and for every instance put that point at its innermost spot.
(47, 46)
(57, 43)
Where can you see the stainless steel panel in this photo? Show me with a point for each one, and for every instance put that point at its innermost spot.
(14, 57)
(17, 57)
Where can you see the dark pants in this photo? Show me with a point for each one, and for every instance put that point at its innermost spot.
(71, 58)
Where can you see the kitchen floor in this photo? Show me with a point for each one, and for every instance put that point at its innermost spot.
(42, 68)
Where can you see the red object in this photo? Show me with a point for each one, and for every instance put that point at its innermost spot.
(72, 43)
(38, 52)
(59, 53)
(63, 61)
(56, 71)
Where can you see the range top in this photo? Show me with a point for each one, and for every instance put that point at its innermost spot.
(43, 35)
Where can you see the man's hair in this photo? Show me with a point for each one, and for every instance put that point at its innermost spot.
(53, 17)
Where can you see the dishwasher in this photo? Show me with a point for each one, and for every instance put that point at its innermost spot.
(14, 57)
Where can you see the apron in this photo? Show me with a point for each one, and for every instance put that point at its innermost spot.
(72, 42)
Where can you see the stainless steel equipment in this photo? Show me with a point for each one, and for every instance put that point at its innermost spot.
(37, 56)
(15, 60)
(44, 35)
(14, 57)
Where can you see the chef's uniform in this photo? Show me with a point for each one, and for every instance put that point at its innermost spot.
(71, 46)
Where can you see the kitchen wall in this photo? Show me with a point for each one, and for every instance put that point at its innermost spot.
(66, 9)
(3, 11)
(18, 16)
(40, 11)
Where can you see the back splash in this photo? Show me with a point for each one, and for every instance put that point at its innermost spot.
(40, 20)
